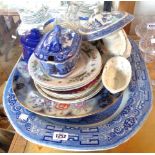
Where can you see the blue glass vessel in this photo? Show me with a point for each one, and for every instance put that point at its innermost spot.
(29, 42)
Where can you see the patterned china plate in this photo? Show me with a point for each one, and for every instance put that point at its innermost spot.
(83, 98)
(90, 133)
(87, 69)
(73, 94)
(28, 96)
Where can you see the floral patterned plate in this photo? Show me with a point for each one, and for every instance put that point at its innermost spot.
(72, 100)
(28, 96)
(90, 133)
(75, 93)
(87, 69)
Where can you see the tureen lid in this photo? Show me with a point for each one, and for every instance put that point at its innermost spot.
(99, 25)
(58, 44)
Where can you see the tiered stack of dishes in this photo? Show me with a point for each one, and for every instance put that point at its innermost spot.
(67, 75)
(71, 78)
(81, 79)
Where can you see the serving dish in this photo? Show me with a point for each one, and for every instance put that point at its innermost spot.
(100, 25)
(90, 133)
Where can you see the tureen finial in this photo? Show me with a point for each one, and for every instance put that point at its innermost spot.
(55, 45)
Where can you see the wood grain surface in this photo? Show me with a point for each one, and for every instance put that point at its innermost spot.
(127, 6)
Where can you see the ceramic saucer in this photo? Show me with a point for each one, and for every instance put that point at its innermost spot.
(86, 70)
(28, 96)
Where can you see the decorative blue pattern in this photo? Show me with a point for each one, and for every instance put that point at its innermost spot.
(96, 35)
(103, 135)
(58, 45)
(58, 51)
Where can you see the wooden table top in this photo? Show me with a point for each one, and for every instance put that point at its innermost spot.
(142, 141)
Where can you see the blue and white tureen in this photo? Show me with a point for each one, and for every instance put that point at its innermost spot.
(58, 51)
(102, 24)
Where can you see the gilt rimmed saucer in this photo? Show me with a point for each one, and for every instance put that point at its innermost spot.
(86, 70)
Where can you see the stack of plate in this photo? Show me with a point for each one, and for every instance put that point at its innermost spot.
(82, 110)
(78, 95)
(84, 134)
(76, 90)
(83, 83)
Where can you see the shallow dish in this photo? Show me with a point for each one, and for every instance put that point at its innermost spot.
(116, 74)
(86, 70)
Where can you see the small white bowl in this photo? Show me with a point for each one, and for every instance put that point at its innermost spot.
(116, 44)
(116, 74)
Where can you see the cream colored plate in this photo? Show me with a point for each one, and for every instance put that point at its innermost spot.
(71, 94)
(81, 99)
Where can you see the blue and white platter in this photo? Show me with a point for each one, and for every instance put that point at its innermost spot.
(89, 133)
(100, 25)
